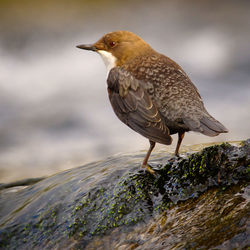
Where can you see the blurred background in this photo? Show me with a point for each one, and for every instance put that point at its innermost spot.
(54, 109)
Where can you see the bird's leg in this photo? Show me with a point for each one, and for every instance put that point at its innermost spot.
(180, 138)
(145, 161)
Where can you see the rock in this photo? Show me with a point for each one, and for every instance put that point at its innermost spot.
(198, 201)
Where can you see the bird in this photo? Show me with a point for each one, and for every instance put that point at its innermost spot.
(150, 92)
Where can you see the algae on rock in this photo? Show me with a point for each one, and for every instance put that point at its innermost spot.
(199, 201)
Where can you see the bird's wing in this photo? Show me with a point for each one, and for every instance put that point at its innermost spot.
(134, 107)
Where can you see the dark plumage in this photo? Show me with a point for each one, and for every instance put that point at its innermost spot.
(134, 106)
(151, 93)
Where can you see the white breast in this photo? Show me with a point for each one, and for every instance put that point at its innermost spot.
(108, 58)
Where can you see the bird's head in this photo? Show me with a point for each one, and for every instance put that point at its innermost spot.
(119, 47)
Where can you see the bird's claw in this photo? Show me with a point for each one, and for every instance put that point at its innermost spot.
(148, 169)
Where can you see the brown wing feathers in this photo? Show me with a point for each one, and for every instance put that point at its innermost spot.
(134, 107)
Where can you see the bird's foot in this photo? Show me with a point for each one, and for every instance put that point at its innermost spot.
(178, 156)
(148, 169)
(175, 157)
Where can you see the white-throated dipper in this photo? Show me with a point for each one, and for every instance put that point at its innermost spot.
(151, 93)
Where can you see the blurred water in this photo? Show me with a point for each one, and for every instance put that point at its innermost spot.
(54, 109)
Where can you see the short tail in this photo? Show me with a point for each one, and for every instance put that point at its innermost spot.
(211, 126)
(206, 125)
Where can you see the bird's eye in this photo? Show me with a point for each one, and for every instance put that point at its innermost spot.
(112, 44)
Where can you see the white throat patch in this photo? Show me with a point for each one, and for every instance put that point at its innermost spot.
(108, 58)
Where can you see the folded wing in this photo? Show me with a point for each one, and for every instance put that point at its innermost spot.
(134, 107)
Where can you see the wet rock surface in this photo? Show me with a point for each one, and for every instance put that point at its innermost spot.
(198, 201)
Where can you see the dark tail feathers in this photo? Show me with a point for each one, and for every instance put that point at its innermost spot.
(207, 125)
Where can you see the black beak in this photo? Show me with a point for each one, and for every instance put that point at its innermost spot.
(87, 47)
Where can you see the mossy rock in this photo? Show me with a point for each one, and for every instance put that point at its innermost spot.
(111, 204)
